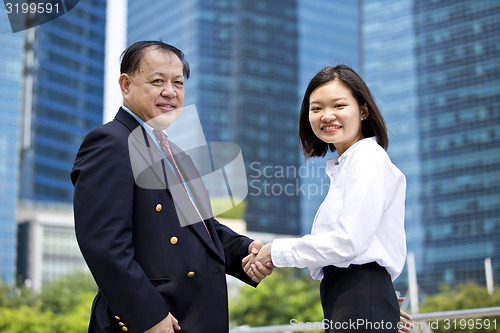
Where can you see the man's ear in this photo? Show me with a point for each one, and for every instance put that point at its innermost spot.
(125, 81)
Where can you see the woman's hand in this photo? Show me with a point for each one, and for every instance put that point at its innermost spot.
(404, 325)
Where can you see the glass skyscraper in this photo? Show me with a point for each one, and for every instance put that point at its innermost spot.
(322, 42)
(264, 103)
(10, 99)
(389, 69)
(433, 66)
(63, 91)
(243, 56)
(458, 47)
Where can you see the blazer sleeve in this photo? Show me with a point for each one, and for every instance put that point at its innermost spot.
(103, 203)
(235, 249)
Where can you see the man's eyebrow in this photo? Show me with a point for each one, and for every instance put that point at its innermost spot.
(161, 74)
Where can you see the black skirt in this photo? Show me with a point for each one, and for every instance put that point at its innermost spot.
(359, 298)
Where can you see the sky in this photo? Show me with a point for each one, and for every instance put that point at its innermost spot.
(116, 41)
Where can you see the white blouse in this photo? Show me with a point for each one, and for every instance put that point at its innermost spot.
(361, 219)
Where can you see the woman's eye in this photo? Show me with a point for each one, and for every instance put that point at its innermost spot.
(339, 105)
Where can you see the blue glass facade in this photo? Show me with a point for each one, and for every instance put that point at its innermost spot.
(182, 32)
(322, 42)
(264, 101)
(65, 84)
(10, 99)
(457, 57)
(243, 57)
(433, 66)
(389, 68)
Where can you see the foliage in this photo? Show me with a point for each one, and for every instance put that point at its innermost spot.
(66, 293)
(286, 294)
(11, 297)
(237, 212)
(76, 320)
(63, 306)
(25, 319)
(466, 296)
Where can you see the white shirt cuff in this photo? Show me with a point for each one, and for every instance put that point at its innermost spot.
(282, 252)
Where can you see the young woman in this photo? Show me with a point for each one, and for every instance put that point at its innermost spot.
(357, 245)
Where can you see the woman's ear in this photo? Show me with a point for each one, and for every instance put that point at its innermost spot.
(364, 112)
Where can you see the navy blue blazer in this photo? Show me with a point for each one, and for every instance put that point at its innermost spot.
(144, 262)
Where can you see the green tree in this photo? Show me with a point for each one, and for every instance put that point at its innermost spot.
(466, 296)
(13, 297)
(23, 319)
(76, 320)
(69, 300)
(62, 307)
(286, 294)
(64, 294)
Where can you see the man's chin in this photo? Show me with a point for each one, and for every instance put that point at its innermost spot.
(165, 120)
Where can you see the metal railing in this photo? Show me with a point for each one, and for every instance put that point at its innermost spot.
(421, 321)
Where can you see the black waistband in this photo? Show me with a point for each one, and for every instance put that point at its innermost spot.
(334, 269)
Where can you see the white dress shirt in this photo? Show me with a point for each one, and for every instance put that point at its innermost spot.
(361, 219)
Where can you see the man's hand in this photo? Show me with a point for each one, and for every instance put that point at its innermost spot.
(260, 271)
(167, 325)
(257, 263)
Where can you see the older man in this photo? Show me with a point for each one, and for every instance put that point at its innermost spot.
(154, 275)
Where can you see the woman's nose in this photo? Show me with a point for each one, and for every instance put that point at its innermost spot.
(329, 115)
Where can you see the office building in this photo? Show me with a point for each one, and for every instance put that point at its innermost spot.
(10, 98)
(433, 67)
(387, 51)
(243, 56)
(47, 248)
(322, 42)
(63, 93)
(62, 99)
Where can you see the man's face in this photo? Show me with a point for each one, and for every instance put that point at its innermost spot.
(155, 92)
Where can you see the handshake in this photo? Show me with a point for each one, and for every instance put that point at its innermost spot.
(258, 263)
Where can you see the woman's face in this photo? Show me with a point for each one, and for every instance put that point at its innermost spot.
(335, 115)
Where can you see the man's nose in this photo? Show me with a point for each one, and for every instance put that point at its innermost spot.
(168, 91)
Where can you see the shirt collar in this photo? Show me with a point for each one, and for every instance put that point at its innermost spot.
(339, 159)
(144, 124)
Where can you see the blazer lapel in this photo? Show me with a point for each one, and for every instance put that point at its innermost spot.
(201, 198)
(147, 161)
(145, 157)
